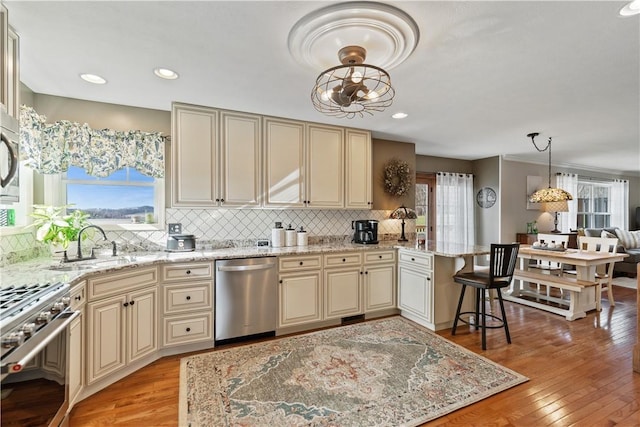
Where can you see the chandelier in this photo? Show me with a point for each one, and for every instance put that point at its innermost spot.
(353, 88)
(548, 195)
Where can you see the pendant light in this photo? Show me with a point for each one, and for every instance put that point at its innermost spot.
(547, 195)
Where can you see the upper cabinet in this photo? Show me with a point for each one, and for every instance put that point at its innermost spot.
(9, 65)
(231, 159)
(358, 169)
(215, 157)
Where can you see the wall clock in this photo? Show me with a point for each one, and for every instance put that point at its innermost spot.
(486, 197)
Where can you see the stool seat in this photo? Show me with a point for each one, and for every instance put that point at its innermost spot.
(502, 263)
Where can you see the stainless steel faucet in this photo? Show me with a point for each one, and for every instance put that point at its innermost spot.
(80, 257)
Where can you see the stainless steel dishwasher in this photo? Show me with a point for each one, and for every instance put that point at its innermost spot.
(246, 297)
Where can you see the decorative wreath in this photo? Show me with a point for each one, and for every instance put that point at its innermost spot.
(397, 177)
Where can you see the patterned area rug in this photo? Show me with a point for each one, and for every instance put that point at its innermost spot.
(386, 372)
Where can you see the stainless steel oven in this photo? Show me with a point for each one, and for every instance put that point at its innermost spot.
(9, 159)
(34, 320)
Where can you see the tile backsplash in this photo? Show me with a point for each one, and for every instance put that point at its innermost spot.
(215, 228)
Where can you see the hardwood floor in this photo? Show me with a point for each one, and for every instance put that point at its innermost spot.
(580, 374)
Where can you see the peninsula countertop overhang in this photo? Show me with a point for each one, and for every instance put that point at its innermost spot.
(43, 270)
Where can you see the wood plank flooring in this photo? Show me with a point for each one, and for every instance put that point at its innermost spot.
(580, 375)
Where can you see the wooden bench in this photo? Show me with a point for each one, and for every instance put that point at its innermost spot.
(581, 293)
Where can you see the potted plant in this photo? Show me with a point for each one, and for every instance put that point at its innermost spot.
(56, 227)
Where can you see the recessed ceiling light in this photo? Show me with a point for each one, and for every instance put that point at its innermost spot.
(631, 8)
(399, 115)
(165, 73)
(93, 78)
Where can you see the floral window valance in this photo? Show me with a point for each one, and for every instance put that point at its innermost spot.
(52, 148)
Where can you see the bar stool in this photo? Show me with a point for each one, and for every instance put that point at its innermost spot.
(502, 263)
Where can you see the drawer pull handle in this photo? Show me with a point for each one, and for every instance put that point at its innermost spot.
(188, 271)
(188, 297)
(78, 298)
(188, 329)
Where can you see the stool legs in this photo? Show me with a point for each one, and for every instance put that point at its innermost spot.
(455, 320)
(504, 316)
(483, 321)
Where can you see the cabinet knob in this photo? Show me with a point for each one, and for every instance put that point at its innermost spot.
(280, 281)
(429, 278)
(361, 273)
(188, 329)
(132, 302)
(78, 298)
(380, 256)
(222, 200)
(366, 272)
(301, 263)
(413, 259)
(188, 271)
(126, 304)
(217, 200)
(344, 260)
(188, 297)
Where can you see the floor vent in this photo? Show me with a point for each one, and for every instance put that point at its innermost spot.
(353, 319)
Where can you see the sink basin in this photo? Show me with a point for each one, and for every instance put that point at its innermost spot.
(94, 264)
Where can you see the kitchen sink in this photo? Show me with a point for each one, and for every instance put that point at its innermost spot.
(94, 264)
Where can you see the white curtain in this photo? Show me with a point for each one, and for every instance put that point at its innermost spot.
(454, 208)
(568, 221)
(620, 204)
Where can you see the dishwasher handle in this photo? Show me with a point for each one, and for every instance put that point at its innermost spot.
(245, 267)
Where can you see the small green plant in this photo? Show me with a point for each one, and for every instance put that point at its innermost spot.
(55, 227)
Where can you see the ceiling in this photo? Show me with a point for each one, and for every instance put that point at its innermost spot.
(483, 74)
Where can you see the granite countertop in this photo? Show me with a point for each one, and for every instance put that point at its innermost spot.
(45, 270)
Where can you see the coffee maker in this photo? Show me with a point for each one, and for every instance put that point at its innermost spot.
(365, 231)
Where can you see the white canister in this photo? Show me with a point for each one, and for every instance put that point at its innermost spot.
(303, 239)
(277, 236)
(290, 236)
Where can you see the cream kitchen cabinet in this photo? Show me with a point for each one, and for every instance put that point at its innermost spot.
(215, 157)
(343, 285)
(301, 161)
(358, 169)
(76, 342)
(325, 162)
(415, 290)
(9, 65)
(121, 320)
(379, 280)
(300, 290)
(187, 303)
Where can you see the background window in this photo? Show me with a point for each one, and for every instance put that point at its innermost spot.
(594, 204)
(124, 196)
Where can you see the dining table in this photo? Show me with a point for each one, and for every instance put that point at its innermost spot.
(575, 296)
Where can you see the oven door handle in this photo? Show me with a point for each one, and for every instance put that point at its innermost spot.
(33, 347)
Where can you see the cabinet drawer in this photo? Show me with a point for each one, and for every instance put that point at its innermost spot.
(343, 259)
(191, 297)
(120, 283)
(179, 272)
(188, 329)
(78, 295)
(298, 263)
(418, 259)
(377, 257)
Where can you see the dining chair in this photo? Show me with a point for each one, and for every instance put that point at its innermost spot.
(502, 263)
(548, 267)
(604, 273)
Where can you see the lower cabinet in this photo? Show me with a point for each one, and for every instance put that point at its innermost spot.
(379, 280)
(300, 290)
(121, 327)
(415, 290)
(76, 343)
(343, 292)
(187, 303)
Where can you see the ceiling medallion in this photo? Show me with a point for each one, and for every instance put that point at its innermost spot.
(388, 34)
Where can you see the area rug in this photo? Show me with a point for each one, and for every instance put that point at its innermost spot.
(625, 282)
(387, 372)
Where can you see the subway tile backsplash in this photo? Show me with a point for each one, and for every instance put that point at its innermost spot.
(215, 228)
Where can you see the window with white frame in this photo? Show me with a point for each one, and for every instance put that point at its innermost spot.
(125, 196)
(594, 204)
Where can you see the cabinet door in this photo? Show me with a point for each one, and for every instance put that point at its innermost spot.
(13, 74)
(414, 291)
(325, 166)
(240, 168)
(142, 319)
(300, 298)
(284, 163)
(379, 287)
(76, 358)
(194, 156)
(106, 331)
(358, 169)
(4, 43)
(343, 292)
